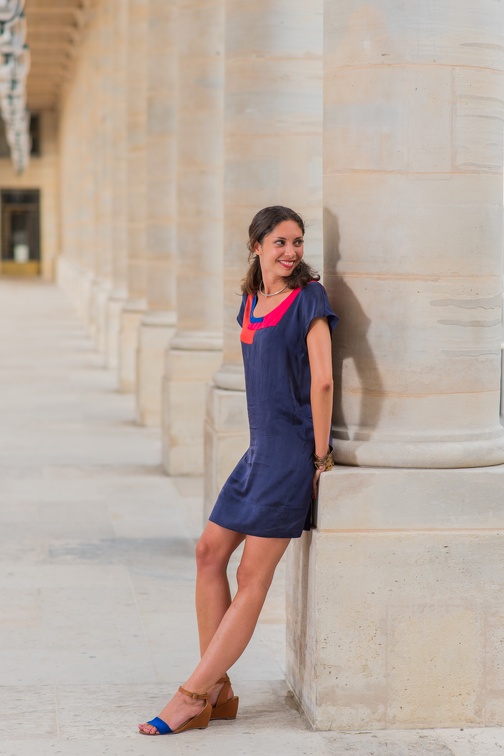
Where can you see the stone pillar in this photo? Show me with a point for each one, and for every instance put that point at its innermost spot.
(77, 129)
(87, 214)
(396, 600)
(119, 151)
(135, 305)
(195, 352)
(273, 147)
(158, 323)
(103, 175)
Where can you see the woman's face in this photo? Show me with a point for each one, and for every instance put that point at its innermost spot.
(280, 251)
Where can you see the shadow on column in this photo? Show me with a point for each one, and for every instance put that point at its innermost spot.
(350, 341)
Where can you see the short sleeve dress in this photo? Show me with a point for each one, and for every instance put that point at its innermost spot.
(268, 493)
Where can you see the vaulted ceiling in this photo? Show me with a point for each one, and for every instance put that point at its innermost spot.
(54, 31)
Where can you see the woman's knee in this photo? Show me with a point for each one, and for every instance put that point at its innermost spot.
(250, 577)
(210, 554)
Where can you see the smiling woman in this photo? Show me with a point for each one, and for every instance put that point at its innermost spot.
(285, 246)
(286, 325)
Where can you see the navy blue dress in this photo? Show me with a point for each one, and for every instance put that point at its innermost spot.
(269, 492)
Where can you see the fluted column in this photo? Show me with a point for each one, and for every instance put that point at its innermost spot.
(158, 323)
(273, 147)
(395, 599)
(119, 153)
(135, 306)
(195, 352)
(86, 208)
(87, 174)
(103, 142)
(421, 385)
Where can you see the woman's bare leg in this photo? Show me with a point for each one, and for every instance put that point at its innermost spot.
(213, 596)
(255, 573)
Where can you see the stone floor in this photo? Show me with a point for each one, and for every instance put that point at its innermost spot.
(96, 573)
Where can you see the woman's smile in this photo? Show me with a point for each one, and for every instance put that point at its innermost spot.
(287, 264)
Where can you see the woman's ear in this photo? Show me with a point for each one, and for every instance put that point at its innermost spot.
(257, 248)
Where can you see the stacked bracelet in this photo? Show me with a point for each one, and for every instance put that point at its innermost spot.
(324, 463)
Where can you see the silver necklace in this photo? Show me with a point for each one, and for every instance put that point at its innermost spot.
(261, 291)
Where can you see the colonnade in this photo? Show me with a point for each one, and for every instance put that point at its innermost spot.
(182, 120)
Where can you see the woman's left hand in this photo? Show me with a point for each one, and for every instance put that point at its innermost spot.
(315, 483)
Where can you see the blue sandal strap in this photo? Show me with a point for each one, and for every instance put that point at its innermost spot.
(160, 726)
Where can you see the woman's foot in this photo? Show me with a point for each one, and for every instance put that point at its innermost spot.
(179, 710)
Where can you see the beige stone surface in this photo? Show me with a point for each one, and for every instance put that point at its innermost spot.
(414, 151)
(367, 34)
(100, 295)
(161, 155)
(154, 334)
(187, 374)
(394, 602)
(226, 438)
(137, 91)
(196, 351)
(119, 119)
(115, 304)
(131, 316)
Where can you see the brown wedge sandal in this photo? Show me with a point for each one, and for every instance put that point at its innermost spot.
(198, 722)
(225, 708)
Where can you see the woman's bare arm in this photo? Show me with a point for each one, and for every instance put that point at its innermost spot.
(320, 356)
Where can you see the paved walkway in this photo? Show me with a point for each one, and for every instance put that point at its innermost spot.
(97, 570)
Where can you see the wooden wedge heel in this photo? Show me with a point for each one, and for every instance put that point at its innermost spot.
(225, 708)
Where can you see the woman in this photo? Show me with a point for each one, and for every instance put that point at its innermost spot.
(286, 326)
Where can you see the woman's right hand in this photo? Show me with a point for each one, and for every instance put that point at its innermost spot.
(316, 478)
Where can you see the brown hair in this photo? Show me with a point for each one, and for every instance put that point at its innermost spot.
(263, 224)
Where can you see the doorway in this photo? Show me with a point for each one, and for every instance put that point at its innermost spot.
(20, 219)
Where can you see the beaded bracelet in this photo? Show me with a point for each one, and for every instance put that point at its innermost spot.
(324, 463)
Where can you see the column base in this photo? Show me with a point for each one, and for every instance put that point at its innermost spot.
(226, 438)
(100, 293)
(131, 315)
(396, 602)
(155, 332)
(190, 362)
(77, 284)
(483, 450)
(115, 304)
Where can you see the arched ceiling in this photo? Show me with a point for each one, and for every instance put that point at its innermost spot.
(54, 31)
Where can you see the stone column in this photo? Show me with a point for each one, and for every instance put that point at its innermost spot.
(273, 147)
(135, 306)
(195, 352)
(103, 151)
(77, 128)
(396, 600)
(158, 323)
(87, 219)
(119, 151)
